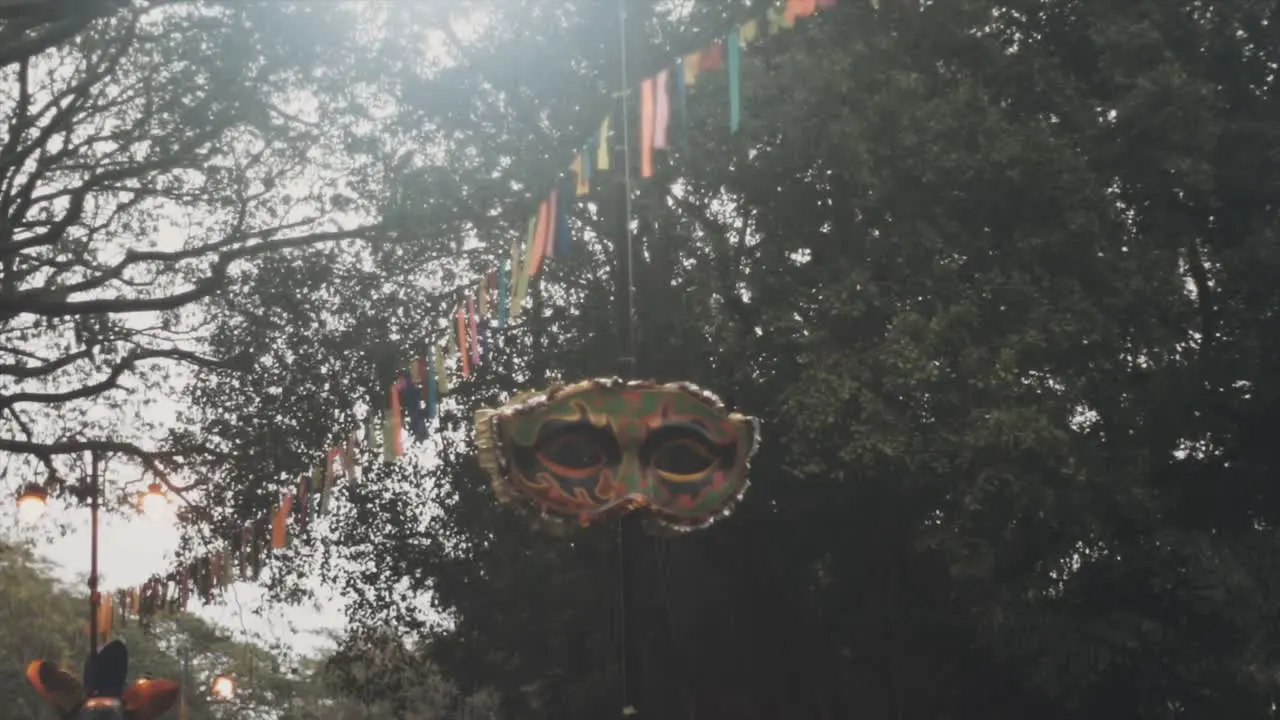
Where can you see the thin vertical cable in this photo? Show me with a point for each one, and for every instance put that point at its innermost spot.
(628, 321)
(623, 670)
(628, 360)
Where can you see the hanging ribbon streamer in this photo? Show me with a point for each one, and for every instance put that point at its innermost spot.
(411, 399)
(318, 487)
(646, 128)
(430, 382)
(551, 244)
(349, 457)
(796, 9)
(602, 150)
(474, 333)
(539, 248)
(504, 290)
(526, 269)
(482, 335)
(692, 64)
(779, 20)
(280, 528)
(661, 109)
(463, 346)
(335, 454)
(442, 376)
(373, 430)
(581, 170)
(395, 412)
(735, 87)
(564, 230)
(388, 441)
(713, 57)
(682, 101)
(304, 503)
(415, 370)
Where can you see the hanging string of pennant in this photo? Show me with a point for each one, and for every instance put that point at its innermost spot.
(495, 302)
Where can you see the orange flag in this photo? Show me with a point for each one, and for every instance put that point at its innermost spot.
(280, 527)
(799, 8)
(540, 236)
(549, 240)
(104, 616)
(646, 128)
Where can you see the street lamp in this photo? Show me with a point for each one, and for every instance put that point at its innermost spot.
(223, 687)
(32, 502)
(154, 501)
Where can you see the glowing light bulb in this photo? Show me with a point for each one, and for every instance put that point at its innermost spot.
(224, 687)
(32, 503)
(155, 501)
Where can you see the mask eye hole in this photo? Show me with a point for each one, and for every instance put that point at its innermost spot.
(573, 454)
(683, 459)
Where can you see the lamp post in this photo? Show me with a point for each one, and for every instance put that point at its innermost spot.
(34, 499)
(94, 599)
(186, 682)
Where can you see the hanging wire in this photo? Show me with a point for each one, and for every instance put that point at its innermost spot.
(628, 323)
(623, 674)
(628, 360)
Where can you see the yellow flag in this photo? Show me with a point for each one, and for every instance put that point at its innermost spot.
(692, 64)
(522, 279)
(780, 20)
(531, 247)
(602, 151)
(750, 30)
(388, 438)
(583, 185)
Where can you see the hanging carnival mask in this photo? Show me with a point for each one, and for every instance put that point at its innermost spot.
(598, 448)
(102, 695)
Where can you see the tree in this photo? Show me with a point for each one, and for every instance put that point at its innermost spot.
(141, 162)
(997, 275)
(31, 27)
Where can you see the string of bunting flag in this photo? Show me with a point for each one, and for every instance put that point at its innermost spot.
(493, 303)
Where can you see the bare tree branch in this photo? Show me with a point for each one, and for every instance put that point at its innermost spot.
(136, 172)
(38, 303)
(111, 381)
(25, 372)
